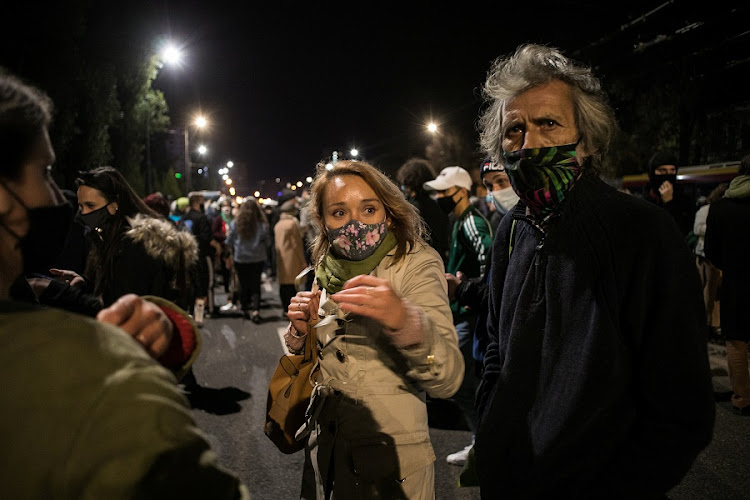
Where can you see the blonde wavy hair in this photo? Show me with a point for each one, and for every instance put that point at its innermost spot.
(406, 223)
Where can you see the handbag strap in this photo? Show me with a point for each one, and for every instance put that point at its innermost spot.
(311, 338)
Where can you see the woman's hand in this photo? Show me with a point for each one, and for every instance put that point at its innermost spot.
(303, 308)
(372, 297)
(68, 276)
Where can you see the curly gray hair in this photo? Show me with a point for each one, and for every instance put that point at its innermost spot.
(530, 66)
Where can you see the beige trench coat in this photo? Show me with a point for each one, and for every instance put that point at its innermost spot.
(290, 250)
(372, 422)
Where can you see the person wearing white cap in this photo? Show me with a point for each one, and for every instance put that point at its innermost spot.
(471, 242)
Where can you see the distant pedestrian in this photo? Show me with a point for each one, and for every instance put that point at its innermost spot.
(197, 223)
(499, 190)
(664, 190)
(411, 176)
(709, 273)
(290, 251)
(249, 241)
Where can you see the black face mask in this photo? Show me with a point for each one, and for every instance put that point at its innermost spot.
(45, 239)
(447, 203)
(95, 220)
(659, 179)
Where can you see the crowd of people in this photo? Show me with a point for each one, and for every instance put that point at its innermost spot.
(567, 320)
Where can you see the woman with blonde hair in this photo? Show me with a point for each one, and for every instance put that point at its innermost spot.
(386, 340)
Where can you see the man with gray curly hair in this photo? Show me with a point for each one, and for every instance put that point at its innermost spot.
(596, 381)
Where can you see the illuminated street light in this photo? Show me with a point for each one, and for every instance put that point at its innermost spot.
(171, 54)
(256, 194)
(354, 152)
(308, 179)
(228, 182)
(230, 164)
(432, 127)
(202, 150)
(200, 121)
(299, 184)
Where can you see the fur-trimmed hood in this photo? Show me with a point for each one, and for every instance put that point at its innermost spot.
(163, 240)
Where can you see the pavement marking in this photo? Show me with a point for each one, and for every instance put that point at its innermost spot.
(281, 331)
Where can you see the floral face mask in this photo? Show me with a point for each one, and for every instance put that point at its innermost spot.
(542, 176)
(356, 240)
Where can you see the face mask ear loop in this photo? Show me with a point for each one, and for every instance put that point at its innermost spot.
(20, 202)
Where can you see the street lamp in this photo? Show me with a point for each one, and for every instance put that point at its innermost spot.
(172, 56)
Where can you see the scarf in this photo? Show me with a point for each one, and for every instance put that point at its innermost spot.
(333, 271)
(739, 187)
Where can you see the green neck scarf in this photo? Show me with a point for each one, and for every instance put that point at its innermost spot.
(739, 187)
(333, 271)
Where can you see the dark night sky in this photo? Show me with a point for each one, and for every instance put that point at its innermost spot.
(285, 86)
(286, 83)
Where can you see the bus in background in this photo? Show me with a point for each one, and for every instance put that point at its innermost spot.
(696, 181)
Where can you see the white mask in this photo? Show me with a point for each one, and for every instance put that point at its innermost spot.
(504, 199)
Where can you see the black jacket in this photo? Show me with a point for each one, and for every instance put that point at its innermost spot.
(728, 248)
(596, 381)
(438, 223)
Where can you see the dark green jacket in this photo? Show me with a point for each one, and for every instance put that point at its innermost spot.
(86, 413)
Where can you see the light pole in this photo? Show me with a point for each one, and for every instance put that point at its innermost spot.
(172, 56)
(199, 122)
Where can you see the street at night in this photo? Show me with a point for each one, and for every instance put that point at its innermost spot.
(238, 358)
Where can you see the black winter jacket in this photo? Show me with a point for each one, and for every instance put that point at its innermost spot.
(596, 380)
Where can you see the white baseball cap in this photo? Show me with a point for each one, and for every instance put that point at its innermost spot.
(448, 178)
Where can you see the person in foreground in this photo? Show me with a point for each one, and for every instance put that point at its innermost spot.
(596, 381)
(389, 340)
(726, 246)
(87, 413)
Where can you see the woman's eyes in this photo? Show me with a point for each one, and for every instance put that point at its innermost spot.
(366, 210)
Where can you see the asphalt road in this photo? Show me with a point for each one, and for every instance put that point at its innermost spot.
(238, 357)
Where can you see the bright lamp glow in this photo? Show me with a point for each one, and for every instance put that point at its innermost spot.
(171, 55)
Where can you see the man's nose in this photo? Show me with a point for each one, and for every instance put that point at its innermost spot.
(532, 139)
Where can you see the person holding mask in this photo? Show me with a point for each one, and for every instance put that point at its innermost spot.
(386, 338)
(114, 422)
(596, 380)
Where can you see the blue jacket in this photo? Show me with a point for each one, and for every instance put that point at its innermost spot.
(249, 250)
